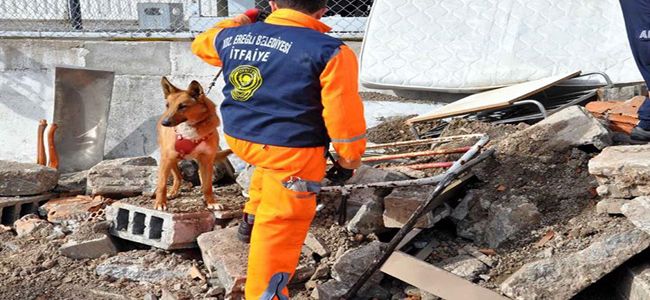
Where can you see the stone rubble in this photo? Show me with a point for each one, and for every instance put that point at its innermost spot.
(123, 177)
(26, 179)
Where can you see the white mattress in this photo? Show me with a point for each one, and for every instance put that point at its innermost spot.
(473, 45)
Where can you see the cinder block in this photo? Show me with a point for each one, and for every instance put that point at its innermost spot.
(13, 208)
(158, 228)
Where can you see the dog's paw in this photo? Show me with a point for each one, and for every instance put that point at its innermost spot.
(216, 206)
(160, 206)
(173, 194)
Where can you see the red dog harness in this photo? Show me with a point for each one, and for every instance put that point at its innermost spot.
(186, 146)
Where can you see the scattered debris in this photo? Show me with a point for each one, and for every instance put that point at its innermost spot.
(610, 206)
(25, 179)
(465, 266)
(637, 211)
(29, 224)
(545, 239)
(316, 245)
(123, 177)
(73, 209)
(143, 266)
(622, 171)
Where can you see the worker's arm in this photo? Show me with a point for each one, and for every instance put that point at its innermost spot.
(203, 44)
(343, 109)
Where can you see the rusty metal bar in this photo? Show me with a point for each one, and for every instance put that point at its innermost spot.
(424, 141)
(415, 154)
(433, 165)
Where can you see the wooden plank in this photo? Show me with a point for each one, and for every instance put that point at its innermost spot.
(493, 99)
(435, 280)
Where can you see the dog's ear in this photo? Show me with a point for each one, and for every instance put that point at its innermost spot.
(168, 87)
(195, 90)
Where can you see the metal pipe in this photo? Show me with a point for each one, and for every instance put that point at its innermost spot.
(460, 166)
(74, 12)
(415, 154)
(434, 165)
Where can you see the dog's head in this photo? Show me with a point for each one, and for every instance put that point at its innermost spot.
(183, 105)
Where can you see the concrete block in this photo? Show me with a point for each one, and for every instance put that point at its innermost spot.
(90, 248)
(637, 211)
(354, 262)
(13, 208)
(158, 228)
(24, 179)
(316, 245)
(145, 266)
(623, 170)
(226, 258)
(184, 63)
(123, 177)
(36, 54)
(402, 202)
(129, 58)
(610, 206)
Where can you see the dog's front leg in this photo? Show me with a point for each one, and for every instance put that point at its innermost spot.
(161, 188)
(206, 170)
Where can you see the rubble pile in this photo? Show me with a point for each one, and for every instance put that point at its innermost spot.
(556, 209)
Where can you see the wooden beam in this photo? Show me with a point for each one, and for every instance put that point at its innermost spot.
(435, 280)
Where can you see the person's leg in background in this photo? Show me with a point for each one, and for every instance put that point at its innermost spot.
(637, 22)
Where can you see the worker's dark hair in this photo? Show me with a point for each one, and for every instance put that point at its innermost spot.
(306, 6)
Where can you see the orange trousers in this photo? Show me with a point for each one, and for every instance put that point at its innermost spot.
(282, 194)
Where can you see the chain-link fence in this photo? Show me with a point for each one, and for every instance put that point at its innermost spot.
(101, 19)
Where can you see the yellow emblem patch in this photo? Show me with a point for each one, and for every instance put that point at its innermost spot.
(246, 80)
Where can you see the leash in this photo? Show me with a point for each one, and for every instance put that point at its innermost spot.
(214, 81)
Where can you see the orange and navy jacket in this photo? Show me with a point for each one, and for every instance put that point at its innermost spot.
(287, 83)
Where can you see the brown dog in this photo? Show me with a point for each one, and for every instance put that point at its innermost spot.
(187, 130)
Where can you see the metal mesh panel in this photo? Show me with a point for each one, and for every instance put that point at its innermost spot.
(148, 18)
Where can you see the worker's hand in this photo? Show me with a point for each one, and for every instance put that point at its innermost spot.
(256, 14)
(339, 175)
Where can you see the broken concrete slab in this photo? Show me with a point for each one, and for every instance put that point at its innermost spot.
(78, 208)
(90, 248)
(142, 266)
(354, 262)
(562, 277)
(633, 280)
(473, 251)
(334, 290)
(610, 206)
(12, 208)
(573, 127)
(72, 183)
(623, 171)
(123, 177)
(370, 216)
(366, 174)
(400, 204)
(25, 179)
(316, 245)
(156, 228)
(465, 266)
(303, 273)
(505, 219)
(225, 257)
(638, 212)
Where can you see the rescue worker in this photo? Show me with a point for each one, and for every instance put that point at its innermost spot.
(637, 22)
(290, 91)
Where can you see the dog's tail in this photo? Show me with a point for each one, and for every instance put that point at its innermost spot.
(221, 155)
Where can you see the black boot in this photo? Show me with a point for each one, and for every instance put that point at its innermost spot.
(640, 135)
(246, 228)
